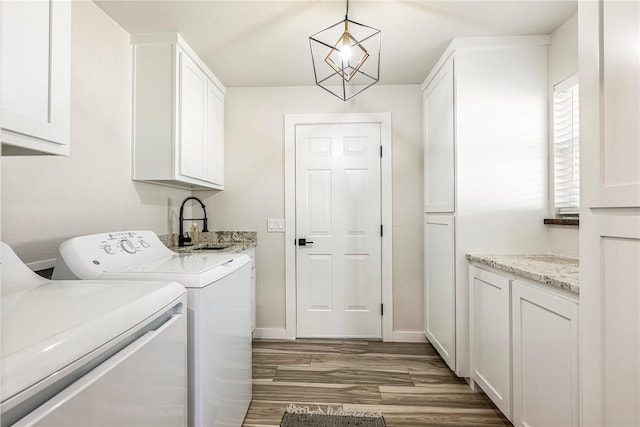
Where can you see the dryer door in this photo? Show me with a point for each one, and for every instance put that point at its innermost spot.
(144, 384)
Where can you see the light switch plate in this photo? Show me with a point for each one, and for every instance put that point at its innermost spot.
(275, 225)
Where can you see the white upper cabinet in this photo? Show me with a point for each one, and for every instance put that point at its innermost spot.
(36, 71)
(610, 103)
(439, 188)
(178, 116)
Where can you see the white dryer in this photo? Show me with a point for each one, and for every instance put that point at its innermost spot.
(219, 311)
(79, 353)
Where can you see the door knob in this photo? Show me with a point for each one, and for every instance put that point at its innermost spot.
(304, 242)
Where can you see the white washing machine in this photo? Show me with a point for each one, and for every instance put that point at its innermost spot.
(88, 353)
(219, 311)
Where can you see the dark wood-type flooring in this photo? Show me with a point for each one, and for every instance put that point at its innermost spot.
(408, 382)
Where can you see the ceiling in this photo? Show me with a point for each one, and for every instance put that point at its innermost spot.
(266, 43)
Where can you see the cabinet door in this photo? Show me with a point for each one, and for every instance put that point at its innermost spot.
(439, 171)
(440, 313)
(491, 336)
(215, 135)
(545, 359)
(609, 310)
(192, 119)
(36, 40)
(609, 103)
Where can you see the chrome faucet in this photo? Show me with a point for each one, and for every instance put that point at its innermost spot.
(181, 238)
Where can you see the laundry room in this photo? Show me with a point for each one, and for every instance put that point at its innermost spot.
(392, 229)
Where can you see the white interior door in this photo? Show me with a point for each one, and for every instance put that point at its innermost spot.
(338, 212)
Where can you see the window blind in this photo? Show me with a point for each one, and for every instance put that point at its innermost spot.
(566, 152)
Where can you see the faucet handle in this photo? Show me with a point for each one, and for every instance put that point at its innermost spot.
(182, 239)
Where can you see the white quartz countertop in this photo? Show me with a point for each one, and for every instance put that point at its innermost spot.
(553, 270)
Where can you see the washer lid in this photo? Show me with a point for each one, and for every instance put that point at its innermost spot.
(193, 270)
(51, 324)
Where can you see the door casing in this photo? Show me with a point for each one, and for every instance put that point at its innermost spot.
(293, 120)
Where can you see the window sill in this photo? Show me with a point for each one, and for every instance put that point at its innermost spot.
(562, 221)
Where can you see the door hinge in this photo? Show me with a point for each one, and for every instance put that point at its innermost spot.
(381, 230)
(381, 309)
(381, 151)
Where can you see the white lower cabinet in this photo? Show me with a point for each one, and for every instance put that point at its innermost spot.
(524, 348)
(546, 383)
(491, 336)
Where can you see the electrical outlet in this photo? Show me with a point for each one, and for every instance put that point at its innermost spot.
(275, 225)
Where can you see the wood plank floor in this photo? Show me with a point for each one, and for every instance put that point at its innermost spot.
(408, 382)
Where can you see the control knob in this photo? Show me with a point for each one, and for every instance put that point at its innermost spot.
(128, 246)
(144, 243)
(108, 248)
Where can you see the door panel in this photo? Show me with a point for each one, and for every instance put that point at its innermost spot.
(440, 313)
(609, 103)
(320, 279)
(439, 143)
(193, 92)
(35, 38)
(491, 336)
(610, 315)
(545, 359)
(319, 203)
(215, 135)
(338, 273)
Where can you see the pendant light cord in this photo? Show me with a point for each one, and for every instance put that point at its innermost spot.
(346, 15)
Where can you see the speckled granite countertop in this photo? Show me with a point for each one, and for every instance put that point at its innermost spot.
(229, 241)
(553, 270)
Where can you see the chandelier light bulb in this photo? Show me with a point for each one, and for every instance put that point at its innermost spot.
(345, 52)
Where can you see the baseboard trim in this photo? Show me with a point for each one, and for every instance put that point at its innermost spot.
(409, 336)
(281, 334)
(270, 334)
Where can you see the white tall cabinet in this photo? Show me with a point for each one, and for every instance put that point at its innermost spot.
(485, 116)
(609, 34)
(36, 77)
(178, 137)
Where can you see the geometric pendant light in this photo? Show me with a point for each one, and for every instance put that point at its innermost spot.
(346, 57)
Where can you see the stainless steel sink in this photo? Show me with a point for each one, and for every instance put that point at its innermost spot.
(212, 247)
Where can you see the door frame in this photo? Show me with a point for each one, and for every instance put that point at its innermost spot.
(290, 123)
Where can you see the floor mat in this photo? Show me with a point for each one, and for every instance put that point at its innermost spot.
(297, 416)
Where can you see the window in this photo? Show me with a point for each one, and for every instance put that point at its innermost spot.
(566, 147)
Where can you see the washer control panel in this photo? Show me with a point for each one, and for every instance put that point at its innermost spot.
(126, 242)
(93, 254)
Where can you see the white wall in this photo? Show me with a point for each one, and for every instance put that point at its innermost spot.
(562, 62)
(254, 185)
(46, 199)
